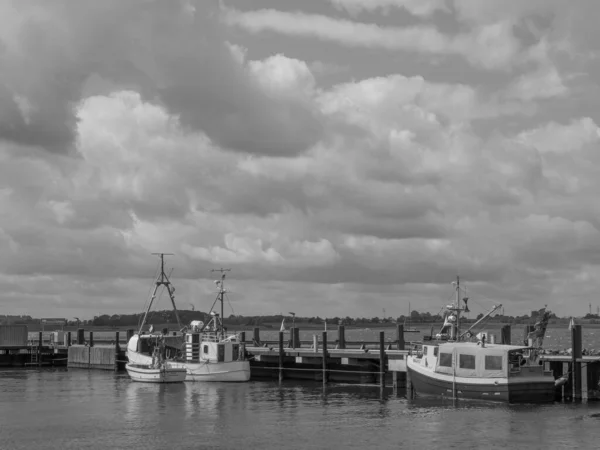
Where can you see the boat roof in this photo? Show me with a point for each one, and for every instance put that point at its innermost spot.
(471, 345)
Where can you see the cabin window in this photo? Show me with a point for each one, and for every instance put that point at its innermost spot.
(205, 349)
(435, 351)
(493, 362)
(425, 350)
(466, 361)
(446, 359)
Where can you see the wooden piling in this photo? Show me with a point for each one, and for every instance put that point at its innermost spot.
(505, 335)
(117, 348)
(400, 336)
(528, 329)
(68, 339)
(256, 337)
(409, 386)
(341, 337)
(39, 349)
(324, 358)
(381, 359)
(80, 336)
(576, 355)
(395, 381)
(280, 356)
(243, 337)
(91, 338)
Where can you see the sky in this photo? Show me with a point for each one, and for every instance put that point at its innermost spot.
(342, 157)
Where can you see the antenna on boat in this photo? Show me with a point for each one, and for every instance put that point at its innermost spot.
(221, 294)
(162, 280)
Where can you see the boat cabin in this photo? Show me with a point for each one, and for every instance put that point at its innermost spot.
(472, 360)
(208, 347)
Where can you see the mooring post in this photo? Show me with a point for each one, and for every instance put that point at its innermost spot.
(381, 359)
(292, 341)
(341, 336)
(280, 356)
(256, 336)
(324, 358)
(528, 329)
(80, 336)
(297, 343)
(400, 336)
(576, 356)
(91, 338)
(39, 349)
(117, 348)
(409, 386)
(315, 343)
(395, 381)
(243, 337)
(68, 339)
(505, 335)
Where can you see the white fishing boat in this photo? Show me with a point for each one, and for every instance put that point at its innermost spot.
(159, 371)
(464, 366)
(205, 351)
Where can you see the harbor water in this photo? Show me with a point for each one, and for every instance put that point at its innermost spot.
(75, 409)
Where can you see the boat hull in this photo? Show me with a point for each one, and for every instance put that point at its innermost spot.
(233, 371)
(428, 383)
(146, 374)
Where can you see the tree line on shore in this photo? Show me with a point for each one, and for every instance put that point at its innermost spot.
(186, 316)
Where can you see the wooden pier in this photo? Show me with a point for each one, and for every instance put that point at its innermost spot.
(379, 363)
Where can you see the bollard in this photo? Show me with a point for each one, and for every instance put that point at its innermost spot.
(576, 356)
(80, 336)
(381, 359)
(280, 356)
(400, 336)
(341, 337)
(324, 358)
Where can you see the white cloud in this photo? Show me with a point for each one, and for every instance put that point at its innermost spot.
(491, 46)
(415, 7)
(558, 138)
(377, 189)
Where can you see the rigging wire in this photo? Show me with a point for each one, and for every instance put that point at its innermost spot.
(162, 290)
(149, 293)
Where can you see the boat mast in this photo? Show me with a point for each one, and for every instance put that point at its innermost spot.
(221, 294)
(457, 308)
(161, 280)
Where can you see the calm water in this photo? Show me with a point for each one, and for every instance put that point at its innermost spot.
(78, 409)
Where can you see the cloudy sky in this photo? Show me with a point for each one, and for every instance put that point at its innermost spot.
(341, 156)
